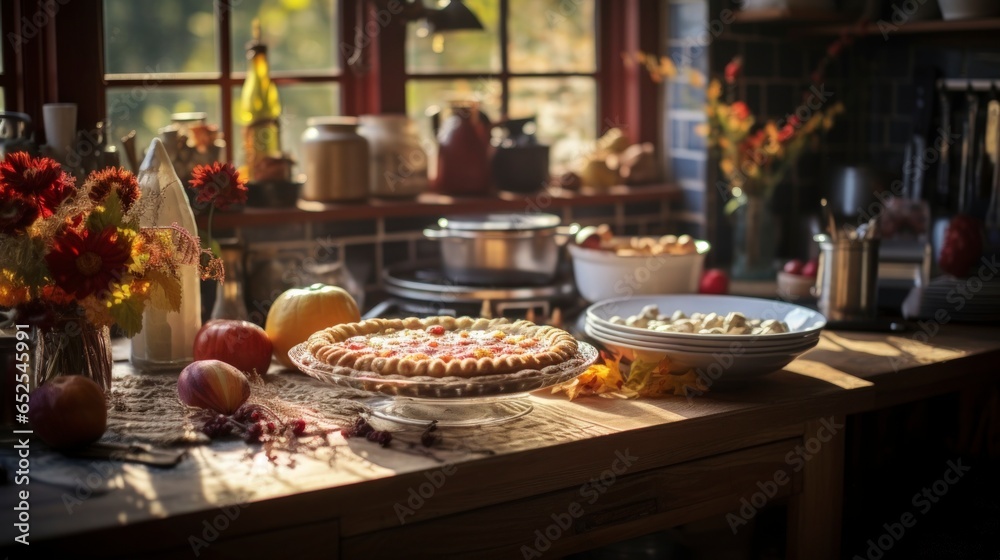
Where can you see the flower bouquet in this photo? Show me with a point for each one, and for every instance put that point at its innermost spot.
(74, 261)
(754, 159)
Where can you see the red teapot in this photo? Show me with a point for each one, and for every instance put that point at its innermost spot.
(464, 152)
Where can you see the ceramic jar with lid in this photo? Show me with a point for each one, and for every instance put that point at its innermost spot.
(397, 160)
(335, 159)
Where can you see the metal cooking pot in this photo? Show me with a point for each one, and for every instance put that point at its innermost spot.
(501, 249)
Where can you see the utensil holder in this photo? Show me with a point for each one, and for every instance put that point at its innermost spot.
(847, 277)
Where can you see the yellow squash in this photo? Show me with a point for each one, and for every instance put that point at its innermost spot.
(300, 312)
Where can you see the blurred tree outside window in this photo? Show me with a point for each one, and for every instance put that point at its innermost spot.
(546, 69)
(163, 58)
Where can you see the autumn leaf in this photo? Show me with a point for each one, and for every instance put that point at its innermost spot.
(164, 290)
(125, 308)
(106, 215)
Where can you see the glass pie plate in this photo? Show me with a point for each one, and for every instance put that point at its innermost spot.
(451, 401)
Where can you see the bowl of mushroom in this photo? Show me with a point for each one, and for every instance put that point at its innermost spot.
(719, 337)
(606, 266)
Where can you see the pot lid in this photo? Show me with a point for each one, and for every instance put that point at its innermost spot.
(423, 281)
(521, 221)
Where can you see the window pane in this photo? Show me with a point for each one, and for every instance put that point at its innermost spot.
(551, 36)
(456, 51)
(151, 36)
(300, 34)
(427, 96)
(146, 110)
(3, 102)
(298, 103)
(566, 110)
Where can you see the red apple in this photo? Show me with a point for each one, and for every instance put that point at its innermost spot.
(794, 266)
(810, 268)
(240, 344)
(68, 411)
(588, 237)
(714, 281)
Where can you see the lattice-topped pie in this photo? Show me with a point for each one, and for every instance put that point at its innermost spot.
(442, 346)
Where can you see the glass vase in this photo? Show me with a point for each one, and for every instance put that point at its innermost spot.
(755, 240)
(73, 346)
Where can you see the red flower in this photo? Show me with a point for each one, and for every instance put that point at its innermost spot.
(740, 110)
(40, 179)
(86, 263)
(786, 133)
(733, 70)
(219, 184)
(16, 212)
(122, 181)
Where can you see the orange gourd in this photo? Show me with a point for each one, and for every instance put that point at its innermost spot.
(300, 312)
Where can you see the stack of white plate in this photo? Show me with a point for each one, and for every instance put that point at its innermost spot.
(713, 356)
(946, 298)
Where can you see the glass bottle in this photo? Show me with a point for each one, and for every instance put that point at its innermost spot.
(166, 340)
(259, 108)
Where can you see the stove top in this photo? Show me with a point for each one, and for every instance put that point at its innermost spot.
(421, 288)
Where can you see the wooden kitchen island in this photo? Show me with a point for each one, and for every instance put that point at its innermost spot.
(570, 476)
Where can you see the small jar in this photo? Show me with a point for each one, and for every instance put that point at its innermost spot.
(335, 158)
(398, 162)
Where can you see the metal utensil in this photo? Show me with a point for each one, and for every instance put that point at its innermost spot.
(944, 167)
(831, 222)
(968, 147)
(993, 140)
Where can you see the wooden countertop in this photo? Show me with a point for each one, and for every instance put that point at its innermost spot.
(353, 498)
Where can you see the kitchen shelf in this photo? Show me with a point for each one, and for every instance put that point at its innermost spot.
(435, 205)
(906, 28)
(787, 15)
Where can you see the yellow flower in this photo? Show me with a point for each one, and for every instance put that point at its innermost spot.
(12, 291)
(667, 67)
(695, 78)
(714, 90)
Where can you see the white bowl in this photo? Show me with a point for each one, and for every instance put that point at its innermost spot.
(602, 275)
(749, 343)
(801, 321)
(795, 287)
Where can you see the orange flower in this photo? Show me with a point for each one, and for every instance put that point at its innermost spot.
(219, 184)
(122, 181)
(56, 295)
(740, 110)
